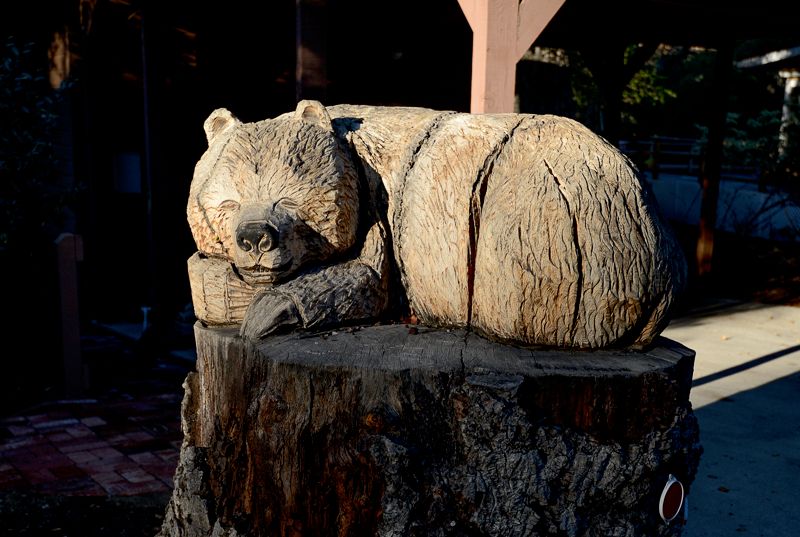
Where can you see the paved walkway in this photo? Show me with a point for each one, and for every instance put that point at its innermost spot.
(117, 445)
(745, 394)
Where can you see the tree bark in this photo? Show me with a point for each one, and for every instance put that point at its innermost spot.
(391, 430)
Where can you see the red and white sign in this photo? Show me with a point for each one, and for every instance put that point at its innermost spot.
(671, 502)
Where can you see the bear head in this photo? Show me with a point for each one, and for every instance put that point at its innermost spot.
(275, 195)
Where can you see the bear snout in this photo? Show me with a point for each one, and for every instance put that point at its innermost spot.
(256, 237)
(262, 236)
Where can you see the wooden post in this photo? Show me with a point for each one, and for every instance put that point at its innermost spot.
(502, 31)
(69, 249)
(712, 163)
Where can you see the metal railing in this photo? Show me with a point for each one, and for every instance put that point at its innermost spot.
(679, 156)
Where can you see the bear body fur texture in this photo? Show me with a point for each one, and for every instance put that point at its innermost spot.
(528, 229)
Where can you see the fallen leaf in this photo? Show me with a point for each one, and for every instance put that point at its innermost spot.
(411, 319)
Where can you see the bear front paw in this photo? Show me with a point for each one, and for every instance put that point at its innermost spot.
(270, 312)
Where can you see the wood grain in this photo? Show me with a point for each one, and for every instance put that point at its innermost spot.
(527, 229)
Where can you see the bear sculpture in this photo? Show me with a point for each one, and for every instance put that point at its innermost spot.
(524, 228)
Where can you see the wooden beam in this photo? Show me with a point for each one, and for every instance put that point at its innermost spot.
(534, 16)
(471, 9)
(712, 163)
(494, 57)
(502, 31)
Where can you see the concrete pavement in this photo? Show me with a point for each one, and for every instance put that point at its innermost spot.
(746, 396)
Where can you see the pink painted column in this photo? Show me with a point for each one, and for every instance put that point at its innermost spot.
(502, 31)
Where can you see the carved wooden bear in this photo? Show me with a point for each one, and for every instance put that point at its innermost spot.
(525, 228)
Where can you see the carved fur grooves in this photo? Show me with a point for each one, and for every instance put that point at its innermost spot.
(576, 242)
(527, 229)
(476, 205)
(428, 133)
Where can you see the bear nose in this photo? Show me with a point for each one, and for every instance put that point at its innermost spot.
(256, 236)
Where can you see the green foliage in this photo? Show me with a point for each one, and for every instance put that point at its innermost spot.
(31, 199)
(752, 141)
(646, 89)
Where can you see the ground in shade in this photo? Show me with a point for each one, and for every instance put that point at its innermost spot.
(31, 514)
(746, 387)
(93, 447)
(100, 465)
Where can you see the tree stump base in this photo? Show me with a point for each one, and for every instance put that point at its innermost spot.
(388, 430)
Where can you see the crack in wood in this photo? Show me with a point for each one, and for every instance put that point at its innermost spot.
(433, 127)
(479, 187)
(578, 253)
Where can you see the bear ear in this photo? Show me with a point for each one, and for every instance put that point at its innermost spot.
(220, 120)
(315, 113)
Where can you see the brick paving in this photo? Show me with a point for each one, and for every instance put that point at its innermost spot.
(115, 445)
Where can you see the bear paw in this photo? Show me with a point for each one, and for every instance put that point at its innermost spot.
(270, 312)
